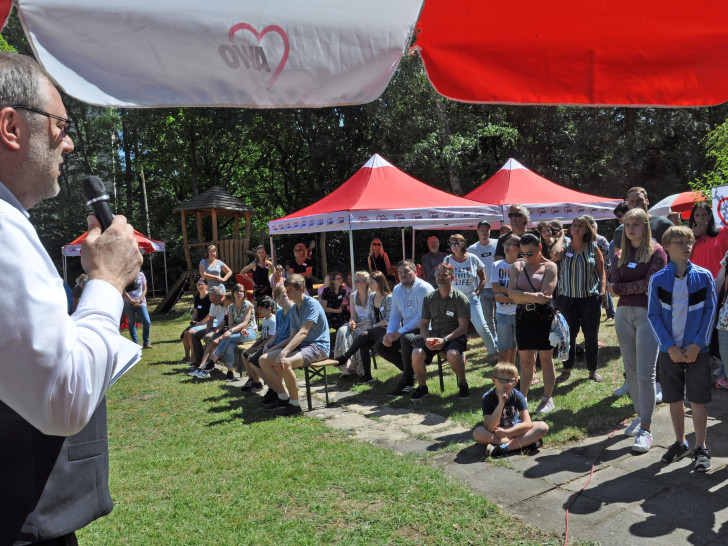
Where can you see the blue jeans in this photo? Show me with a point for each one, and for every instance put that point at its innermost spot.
(487, 302)
(130, 311)
(227, 346)
(478, 320)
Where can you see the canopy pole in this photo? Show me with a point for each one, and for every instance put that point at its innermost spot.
(166, 285)
(272, 250)
(413, 244)
(65, 273)
(404, 253)
(351, 252)
(151, 269)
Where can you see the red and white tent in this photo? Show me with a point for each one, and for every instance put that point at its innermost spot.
(279, 53)
(379, 195)
(546, 200)
(146, 245)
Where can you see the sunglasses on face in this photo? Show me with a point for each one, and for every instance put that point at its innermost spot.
(530, 253)
(514, 215)
(376, 244)
(454, 243)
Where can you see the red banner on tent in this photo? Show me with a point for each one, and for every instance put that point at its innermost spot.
(574, 52)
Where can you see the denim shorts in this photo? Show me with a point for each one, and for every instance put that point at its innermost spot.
(506, 328)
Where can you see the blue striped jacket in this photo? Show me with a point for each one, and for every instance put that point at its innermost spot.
(701, 306)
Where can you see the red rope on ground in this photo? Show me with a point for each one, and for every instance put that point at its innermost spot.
(594, 462)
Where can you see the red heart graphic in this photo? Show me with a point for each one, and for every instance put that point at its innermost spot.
(720, 206)
(259, 37)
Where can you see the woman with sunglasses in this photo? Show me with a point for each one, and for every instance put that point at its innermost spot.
(582, 288)
(377, 259)
(356, 326)
(302, 265)
(531, 285)
(641, 258)
(335, 302)
(215, 271)
(469, 278)
(518, 218)
(262, 269)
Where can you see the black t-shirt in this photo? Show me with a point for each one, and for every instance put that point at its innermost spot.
(202, 306)
(301, 270)
(515, 404)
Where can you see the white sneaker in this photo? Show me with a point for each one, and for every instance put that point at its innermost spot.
(621, 391)
(643, 442)
(634, 428)
(658, 393)
(546, 405)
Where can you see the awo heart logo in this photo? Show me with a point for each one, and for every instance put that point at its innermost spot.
(253, 56)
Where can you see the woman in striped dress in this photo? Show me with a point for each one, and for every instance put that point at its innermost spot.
(582, 288)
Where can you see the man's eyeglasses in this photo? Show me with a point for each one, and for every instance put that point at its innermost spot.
(66, 122)
(514, 215)
(507, 380)
(684, 243)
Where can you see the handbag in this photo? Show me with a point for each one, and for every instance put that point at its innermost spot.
(559, 336)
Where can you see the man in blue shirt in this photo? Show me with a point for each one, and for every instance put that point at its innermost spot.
(403, 329)
(307, 342)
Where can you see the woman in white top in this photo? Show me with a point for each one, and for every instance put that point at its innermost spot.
(469, 278)
(357, 325)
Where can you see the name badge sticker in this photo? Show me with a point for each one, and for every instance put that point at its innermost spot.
(631, 265)
(570, 255)
(449, 313)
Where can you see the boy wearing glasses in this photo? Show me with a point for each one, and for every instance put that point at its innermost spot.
(681, 310)
(507, 425)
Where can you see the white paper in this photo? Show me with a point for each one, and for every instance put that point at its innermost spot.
(129, 354)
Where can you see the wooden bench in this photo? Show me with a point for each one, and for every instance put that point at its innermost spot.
(315, 370)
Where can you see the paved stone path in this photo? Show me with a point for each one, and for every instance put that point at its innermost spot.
(631, 499)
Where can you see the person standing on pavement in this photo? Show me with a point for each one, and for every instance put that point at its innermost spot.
(485, 250)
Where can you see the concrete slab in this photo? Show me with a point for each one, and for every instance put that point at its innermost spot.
(553, 465)
(413, 445)
(349, 420)
(505, 487)
(613, 485)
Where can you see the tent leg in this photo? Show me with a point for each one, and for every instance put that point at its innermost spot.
(151, 269)
(404, 253)
(272, 251)
(166, 286)
(65, 272)
(351, 253)
(413, 244)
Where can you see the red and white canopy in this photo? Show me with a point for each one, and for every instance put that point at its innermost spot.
(514, 184)
(285, 53)
(379, 195)
(145, 243)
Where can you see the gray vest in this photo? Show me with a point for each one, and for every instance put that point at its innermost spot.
(51, 486)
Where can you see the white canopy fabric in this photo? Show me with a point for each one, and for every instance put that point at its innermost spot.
(277, 53)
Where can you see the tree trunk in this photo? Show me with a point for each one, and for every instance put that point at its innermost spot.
(143, 187)
(455, 184)
(193, 153)
(322, 254)
(128, 174)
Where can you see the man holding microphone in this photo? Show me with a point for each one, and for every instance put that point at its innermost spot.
(54, 369)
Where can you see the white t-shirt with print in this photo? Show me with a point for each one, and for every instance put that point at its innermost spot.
(501, 273)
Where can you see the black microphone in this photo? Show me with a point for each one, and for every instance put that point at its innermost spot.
(98, 200)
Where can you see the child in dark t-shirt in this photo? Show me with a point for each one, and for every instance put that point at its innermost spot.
(507, 426)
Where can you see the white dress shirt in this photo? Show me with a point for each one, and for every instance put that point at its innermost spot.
(54, 368)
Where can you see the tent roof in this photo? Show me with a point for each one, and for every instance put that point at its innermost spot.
(148, 245)
(380, 195)
(515, 184)
(215, 198)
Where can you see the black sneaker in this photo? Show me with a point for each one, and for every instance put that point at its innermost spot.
(401, 389)
(247, 386)
(701, 456)
(364, 379)
(209, 366)
(674, 452)
(420, 392)
(269, 396)
(464, 390)
(342, 360)
(230, 376)
(495, 450)
(278, 403)
(289, 410)
(257, 387)
(535, 446)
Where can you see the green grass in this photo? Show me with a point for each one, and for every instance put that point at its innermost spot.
(193, 462)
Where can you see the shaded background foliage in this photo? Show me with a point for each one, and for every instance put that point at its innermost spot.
(279, 161)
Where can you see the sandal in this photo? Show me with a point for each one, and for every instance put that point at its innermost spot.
(563, 377)
(535, 380)
(595, 376)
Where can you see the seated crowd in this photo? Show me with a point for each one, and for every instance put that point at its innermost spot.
(510, 289)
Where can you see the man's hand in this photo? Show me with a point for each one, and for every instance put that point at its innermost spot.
(690, 353)
(676, 354)
(388, 339)
(112, 256)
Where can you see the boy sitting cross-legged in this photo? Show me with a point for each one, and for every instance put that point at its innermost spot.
(507, 424)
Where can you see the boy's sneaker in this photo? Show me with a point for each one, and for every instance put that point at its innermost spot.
(546, 405)
(674, 452)
(634, 428)
(253, 387)
(535, 446)
(230, 376)
(289, 410)
(365, 379)
(247, 385)
(193, 371)
(209, 366)
(621, 391)
(270, 396)
(722, 383)
(701, 456)
(495, 450)
(658, 393)
(464, 390)
(278, 403)
(643, 442)
(401, 389)
(420, 392)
